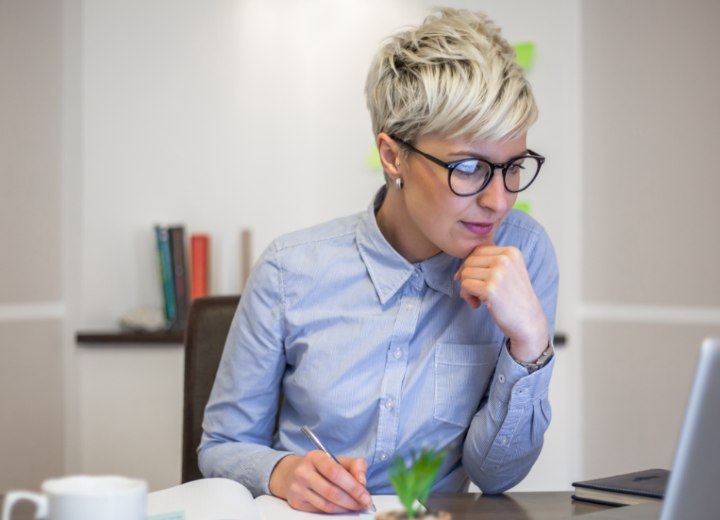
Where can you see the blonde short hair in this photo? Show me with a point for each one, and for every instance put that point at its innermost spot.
(454, 74)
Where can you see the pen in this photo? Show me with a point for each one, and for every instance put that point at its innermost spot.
(319, 445)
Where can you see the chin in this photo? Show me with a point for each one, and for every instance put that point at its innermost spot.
(459, 252)
(463, 251)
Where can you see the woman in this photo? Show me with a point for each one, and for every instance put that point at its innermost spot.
(424, 320)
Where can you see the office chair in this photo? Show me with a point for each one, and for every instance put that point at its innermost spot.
(208, 324)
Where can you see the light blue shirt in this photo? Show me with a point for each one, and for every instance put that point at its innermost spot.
(379, 357)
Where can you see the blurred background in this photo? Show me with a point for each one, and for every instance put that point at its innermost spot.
(233, 115)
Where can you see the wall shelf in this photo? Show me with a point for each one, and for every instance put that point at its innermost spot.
(169, 338)
(97, 338)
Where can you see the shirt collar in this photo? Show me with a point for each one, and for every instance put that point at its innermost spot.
(389, 270)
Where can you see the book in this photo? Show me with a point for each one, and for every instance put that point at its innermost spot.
(215, 498)
(166, 277)
(180, 283)
(626, 489)
(198, 265)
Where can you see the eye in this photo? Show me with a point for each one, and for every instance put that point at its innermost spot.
(469, 167)
(515, 167)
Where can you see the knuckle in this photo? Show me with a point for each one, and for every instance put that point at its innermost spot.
(334, 494)
(490, 290)
(333, 473)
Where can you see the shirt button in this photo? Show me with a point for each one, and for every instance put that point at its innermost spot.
(505, 441)
(409, 307)
(397, 354)
(501, 378)
(383, 456)
(389, 404)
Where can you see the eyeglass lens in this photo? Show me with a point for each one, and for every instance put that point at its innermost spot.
(470, 176)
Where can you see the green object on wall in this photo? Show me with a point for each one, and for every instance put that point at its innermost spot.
(525, 54)
(523, 205)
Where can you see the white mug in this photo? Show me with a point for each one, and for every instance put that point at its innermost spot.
(83, 497)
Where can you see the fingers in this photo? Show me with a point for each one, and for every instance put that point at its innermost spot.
(339, 486)
(318, 483)
(478, 284)
(357, 468)
(493, 257)
(487, 269)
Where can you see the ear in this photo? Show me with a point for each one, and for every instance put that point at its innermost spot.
(389, 151)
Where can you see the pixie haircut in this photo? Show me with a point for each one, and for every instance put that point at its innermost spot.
(454, 74)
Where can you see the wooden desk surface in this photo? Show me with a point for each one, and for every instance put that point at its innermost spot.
(552, 505)
(466, 506)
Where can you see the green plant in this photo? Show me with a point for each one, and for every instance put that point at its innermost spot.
(413, 483)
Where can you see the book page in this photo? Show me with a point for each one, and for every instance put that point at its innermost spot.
(204, 499)
(274, 508)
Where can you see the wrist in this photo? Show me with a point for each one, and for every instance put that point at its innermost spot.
(527, 350)
(278, 476)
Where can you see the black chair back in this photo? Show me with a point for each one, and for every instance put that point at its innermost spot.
(208, 324)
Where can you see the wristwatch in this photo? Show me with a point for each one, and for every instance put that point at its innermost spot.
(533, 366)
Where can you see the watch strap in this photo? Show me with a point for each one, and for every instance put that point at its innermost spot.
(533, 366)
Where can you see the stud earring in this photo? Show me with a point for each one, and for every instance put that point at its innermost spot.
(399, 183)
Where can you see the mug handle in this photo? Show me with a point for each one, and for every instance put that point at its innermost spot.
(41, 503)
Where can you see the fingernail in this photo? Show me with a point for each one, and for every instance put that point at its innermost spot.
(365, 498)
(362, 479)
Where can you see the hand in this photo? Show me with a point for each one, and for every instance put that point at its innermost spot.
(316, 483)
(497, 277)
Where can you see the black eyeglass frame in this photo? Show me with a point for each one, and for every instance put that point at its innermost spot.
(451, 166)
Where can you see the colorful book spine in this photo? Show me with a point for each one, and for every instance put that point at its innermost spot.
(199, 244)
(166, 276)
(179, 270)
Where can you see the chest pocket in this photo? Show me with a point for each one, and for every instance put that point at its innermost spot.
(462, 373)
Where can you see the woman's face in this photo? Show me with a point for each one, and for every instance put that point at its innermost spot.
(438, 220)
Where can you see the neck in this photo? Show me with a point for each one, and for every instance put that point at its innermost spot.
(399, 230)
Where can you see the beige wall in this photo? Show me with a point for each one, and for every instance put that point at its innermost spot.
(636, 379)
(32, 404)
(651, 244)
(30, 147)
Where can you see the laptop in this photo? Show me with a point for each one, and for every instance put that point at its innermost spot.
(693, 489)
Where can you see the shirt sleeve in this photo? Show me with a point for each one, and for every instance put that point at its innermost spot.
(240, 415)
(506, 435)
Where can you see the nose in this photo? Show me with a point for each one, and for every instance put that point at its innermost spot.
(495, 197)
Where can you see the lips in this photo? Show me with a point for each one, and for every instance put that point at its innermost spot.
(478, 228)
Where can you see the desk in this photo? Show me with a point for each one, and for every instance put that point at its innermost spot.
(467, 506)
(552, 505)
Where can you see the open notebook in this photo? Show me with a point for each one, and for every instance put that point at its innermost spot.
(224, 499)
(695, 476)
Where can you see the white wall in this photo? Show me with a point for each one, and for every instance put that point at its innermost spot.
(224, 115)
(250, 114)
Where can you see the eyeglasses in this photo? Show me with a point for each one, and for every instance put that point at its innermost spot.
(468, 177)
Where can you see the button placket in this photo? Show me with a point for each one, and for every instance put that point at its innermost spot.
(395, 369)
